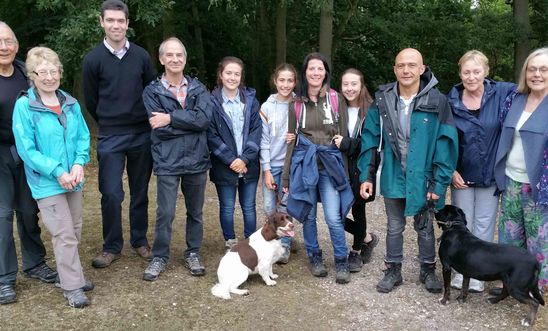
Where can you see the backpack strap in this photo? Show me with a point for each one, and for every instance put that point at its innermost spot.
(298, 111)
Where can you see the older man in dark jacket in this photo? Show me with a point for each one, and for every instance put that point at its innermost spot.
(179, 109)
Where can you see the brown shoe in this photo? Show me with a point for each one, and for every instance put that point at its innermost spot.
(104, 259)
(144, 251)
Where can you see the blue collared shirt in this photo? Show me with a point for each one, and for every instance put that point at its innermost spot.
(119, 54)
(234, 108)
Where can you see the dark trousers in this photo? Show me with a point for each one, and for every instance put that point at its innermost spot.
(358, 226)
(113, 153)
(193, 188)
(15, 195)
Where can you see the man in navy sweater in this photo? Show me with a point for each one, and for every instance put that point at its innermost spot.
(114, 74)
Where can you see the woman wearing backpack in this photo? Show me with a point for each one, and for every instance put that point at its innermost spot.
(358, 100)
(314, 166)
(234, 136)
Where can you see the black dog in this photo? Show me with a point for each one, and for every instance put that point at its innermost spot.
(474, 258)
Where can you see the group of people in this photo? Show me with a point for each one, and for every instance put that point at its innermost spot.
(307, 142)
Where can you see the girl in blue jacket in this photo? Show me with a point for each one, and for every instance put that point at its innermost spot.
(234, 137)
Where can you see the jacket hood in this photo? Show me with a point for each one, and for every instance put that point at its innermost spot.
(35, 101)
(272, 98)
(427, 82)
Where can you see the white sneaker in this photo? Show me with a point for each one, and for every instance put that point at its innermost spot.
(456, 282)
(476, 286)
(230, 243)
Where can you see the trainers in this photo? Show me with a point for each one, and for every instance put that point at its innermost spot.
(144, 251)
(285, 256)
(76, 298)
(429, 279)
(456, 281)
(154, 269)
(392, 278)
(343, 273)
(230, 243)
(317, 268)
(367, 248)
(88, 285)
(476, 286)
(42, 272)
(355, 262)
(7, 294)
(194, 263)
(104, 259)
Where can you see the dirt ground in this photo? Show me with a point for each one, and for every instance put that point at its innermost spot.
(176, 301)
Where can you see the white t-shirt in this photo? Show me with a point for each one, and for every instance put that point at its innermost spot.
(515, 163)
(352, 120)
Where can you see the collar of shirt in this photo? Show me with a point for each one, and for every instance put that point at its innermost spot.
(119, 54)
(226, 99)
(167, 84)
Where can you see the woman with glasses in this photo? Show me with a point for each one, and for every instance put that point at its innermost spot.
(52, 138)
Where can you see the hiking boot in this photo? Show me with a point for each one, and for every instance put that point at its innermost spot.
(76, 298)
(42, 272)
(7, 294)
(144, 251)
(476, 286)
(456, 282)
(392, 278)
(155, 267)
(285, 256)
(317, 268)
(343, 273)
(367, 248)
(88, 285)
(355, 262)
(429, 279)
(104, 259)
(194, 263)
(230, 243)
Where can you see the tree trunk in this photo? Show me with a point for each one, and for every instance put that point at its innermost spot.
(522, 45)
(281, 34)
(326, 29)
(199, 42)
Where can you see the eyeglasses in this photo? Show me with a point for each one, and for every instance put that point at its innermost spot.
(533, 70)
(44, 73)
(8, 42)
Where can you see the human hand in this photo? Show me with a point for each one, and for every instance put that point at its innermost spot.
(289, 137)
(66, 181)
(432, 196)
(77, 173)
(158, 120)
(366, 188)
(457, 181)
(337, 139)
(269, 180)
(238, 166)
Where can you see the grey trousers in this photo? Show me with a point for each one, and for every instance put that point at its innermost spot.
(62, 215)
(480, 206)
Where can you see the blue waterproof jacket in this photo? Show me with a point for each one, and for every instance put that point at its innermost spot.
(180, 147)
(304, 177)
(479, 136)
(220, 139)
(49, 144)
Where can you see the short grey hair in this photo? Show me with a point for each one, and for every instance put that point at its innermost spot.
(5, 25)
(161, 50)
(522, 82)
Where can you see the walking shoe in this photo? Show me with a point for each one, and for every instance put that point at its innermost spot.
(285, 256)
(476, 286)
(343, 273)
(392, 278)
(230, 243)
(355, 262)
(456, 281)
(367, 248)
(495, 291)
(88, 285)
(144, 251)
(155, 267)
(7, 294)
(76, 298)
(194, 263)
(429, 279)
(317, 268)
(42, 272)
(104, 259)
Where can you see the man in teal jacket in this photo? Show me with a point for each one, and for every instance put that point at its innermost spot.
(413, 126)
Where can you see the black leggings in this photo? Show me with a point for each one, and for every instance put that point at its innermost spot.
(358, 226)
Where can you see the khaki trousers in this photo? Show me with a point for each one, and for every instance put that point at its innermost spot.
(62, 215)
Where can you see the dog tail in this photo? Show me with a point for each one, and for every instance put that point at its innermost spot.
(221, 292)
(535, 291)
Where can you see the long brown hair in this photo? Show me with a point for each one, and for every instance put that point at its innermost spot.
(226, 61)
(364, 98)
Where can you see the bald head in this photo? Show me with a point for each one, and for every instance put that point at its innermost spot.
(408, 69)
(409, 53)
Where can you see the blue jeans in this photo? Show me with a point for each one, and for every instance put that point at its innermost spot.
(227, 200)
(269, 198)
(394, 234)
(331, 206)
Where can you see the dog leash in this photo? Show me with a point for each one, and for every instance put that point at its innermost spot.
(426, 215)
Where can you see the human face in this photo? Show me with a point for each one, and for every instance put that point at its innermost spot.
(173, 58)
(536, 74)
(285, 83)
(315, 73)
(472, 75)
(8, 46)
(351, 86)
(408, 68)
(231, 76)
(46, 77)
(115, 24)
